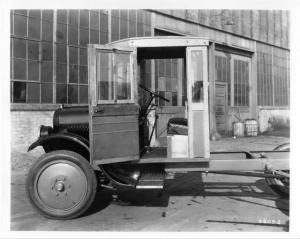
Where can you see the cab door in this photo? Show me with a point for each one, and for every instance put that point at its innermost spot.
(113, 117)
(197, 90)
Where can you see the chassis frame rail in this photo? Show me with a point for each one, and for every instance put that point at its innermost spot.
(251, 174)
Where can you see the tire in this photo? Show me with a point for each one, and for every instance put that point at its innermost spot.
(61, 185)
(280, 186)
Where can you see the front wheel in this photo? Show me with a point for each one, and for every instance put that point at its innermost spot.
(61, 185)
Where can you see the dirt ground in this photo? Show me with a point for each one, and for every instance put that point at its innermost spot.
(191, 202)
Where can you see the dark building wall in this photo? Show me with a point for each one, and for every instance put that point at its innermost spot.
(267, 26)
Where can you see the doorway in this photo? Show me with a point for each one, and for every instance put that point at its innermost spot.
(232, 89)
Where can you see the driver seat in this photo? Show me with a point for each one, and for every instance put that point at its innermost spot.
(177, 126)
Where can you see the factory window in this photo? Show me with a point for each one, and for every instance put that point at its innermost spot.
(84, 19)
(103, 27)
(61, 27)
(73, 27)
(47, 15)
(264, 76)
(20, 25)
(34, 25)
(234, 70)
(222, 69)
(115, 25)
(170, 80)
(140, 25)
(145, 77)
(272, 76)
(169, 83)
(123, 24)
(19, 92)
(47, 31)
(240, 83)
(25, 48)
(50, 66)
(47, 93)
(130, 23)
(281, 80)
(147, 24)
(31, 52)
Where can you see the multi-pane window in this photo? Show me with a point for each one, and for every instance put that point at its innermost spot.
(235, 71)
(31, 56)
(272, 76)
(51, 67)
(264, 76)
(168, 83)
(130, 23)
(241, 82)
(265, 82)
(170, 80)
(145, 80)
(222, 68)
(81, 28)
(281, 87)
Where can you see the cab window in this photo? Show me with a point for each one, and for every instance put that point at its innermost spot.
(114, 77)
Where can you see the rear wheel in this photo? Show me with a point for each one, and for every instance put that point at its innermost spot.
(279, 185)
(61, 185)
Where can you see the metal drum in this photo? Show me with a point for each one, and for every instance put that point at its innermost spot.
(238, 129)
(251, 127)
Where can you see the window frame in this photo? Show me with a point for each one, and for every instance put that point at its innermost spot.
(48, 19)
(232, 89)
(230, 85)
(227, 74)
(131, 75)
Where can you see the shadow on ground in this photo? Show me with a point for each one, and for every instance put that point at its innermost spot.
(189, 184)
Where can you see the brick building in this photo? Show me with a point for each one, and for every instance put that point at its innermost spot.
(251, 58)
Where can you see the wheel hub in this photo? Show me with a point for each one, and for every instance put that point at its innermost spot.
(59, 186)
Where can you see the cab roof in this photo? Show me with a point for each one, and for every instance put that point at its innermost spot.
(160, 41)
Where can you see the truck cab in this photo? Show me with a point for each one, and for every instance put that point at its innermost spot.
(114, 74)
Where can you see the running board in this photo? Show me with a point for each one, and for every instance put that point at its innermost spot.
(151, 179)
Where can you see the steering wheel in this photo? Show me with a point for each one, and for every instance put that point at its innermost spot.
(153, 93)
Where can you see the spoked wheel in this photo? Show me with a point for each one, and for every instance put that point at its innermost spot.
(61, 185)
(281, 186)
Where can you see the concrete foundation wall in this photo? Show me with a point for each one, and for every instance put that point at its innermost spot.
(25, 126)
(272, 118)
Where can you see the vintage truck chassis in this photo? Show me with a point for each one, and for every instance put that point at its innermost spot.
(108, 143)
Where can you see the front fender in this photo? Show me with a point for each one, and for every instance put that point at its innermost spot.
(62, 141)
